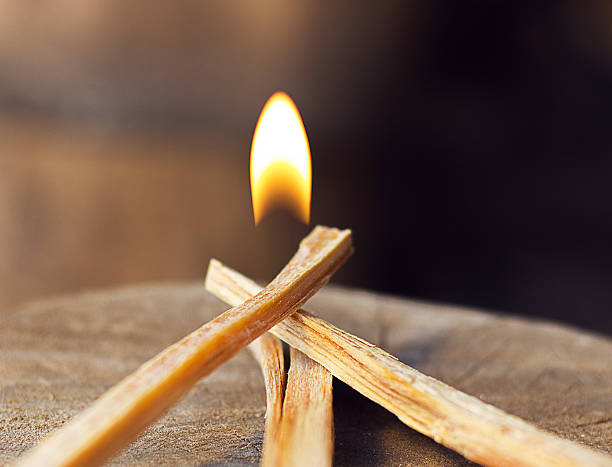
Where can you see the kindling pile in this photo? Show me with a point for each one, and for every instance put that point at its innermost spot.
(299, 420)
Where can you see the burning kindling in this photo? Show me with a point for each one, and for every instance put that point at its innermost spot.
(299, 425)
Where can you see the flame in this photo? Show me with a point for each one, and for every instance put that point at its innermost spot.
(281, 170)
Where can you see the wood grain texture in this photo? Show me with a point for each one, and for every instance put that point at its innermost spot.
(268, 351)
(307, 426)
(138, 400)
(478, 431)
(57, 356)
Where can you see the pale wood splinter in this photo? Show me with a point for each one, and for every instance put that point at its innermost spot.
(461, 422)
(299, 427)
(141, 398)
(307, 425)
(268, 351)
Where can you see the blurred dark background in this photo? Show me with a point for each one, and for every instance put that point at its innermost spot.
(467, 144)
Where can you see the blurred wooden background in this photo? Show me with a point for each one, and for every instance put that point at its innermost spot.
(467, 145)
(81, 210)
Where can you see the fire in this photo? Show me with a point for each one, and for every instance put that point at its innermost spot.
(281, 170)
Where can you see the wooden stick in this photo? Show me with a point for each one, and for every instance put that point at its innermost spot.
(307, 426)
(299, 419)
(461, 422)
(268, 351)
(129, 407)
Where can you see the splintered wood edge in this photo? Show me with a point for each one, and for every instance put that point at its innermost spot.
(461, 422)
(307, 425)
(141, 398)
(268, 351)
(299, 418)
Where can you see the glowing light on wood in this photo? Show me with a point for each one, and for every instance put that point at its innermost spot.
(281, 169)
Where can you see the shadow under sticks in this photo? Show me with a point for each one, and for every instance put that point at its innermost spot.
(368, 434)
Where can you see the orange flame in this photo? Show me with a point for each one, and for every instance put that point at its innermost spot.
(281, 170)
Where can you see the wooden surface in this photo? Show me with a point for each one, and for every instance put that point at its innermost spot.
(58, 355)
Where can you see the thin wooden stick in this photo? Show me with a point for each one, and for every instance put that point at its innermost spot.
(307, 426)
(299, 419)
(268, 351)
(461, 422)
(129, 407)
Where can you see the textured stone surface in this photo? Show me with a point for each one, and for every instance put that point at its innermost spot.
(57, 356)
